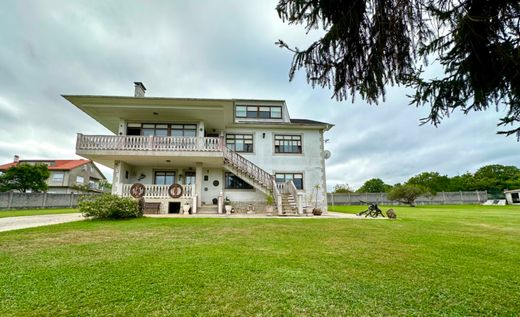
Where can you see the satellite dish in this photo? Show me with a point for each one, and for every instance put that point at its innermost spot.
(327, 154)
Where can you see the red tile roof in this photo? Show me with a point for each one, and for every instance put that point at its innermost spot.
(58, 164)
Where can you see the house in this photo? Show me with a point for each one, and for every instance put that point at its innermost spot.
(67, 176)
(512, 196)
(202, 152)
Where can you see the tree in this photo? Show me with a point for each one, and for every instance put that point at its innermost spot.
(368, 45)
(432, 181)
(464, 182)
(342, 189)
(406, 194)
(374, 185)
(25, 177)
(495, 178)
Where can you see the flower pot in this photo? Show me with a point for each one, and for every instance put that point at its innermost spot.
(316, 211)
(269, 209)
(186, 209)
(228, 209)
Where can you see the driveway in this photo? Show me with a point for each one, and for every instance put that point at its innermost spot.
(14, 223)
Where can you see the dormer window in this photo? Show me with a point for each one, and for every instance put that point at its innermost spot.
(258, 112)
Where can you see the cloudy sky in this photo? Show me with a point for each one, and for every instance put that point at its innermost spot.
(208, 49)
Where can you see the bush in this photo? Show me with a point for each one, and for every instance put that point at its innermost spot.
(406, 193)
(109, 206)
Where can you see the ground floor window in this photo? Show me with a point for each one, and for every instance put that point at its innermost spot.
(515, 197)
(297, 178)
(235, 182)
(164, 178)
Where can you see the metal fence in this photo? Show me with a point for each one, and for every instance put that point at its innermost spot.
(443, 198)
(13, 200)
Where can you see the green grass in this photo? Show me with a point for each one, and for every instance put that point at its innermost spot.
(32, 212)
(432, 261)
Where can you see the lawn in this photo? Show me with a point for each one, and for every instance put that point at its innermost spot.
(432, 261)
(32, 212)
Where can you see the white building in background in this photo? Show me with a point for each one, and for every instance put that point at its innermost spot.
(212, 149)
(512, 196)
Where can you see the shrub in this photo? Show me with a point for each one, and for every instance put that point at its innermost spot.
(406, 193)
(109, 206)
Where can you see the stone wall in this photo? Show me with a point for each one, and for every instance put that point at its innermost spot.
(13, 200)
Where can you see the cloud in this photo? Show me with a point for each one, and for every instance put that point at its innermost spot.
(220, 49)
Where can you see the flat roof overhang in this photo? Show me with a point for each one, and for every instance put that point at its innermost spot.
(109, 110)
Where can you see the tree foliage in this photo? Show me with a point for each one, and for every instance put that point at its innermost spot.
(24, 177)
(432, 181)
(370, 44)
(374, 185)
(342, 189)
(406, 194)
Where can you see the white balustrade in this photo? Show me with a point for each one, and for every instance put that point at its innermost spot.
(147, 143)
(159, 191)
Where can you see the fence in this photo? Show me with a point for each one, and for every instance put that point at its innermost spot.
(13, 200)
(443, 198)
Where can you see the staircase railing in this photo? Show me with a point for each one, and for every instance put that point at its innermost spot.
(277, 197)
(246, 166)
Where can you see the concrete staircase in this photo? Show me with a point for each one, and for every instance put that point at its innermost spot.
(248, 171)
(289, 205)
(207, 209)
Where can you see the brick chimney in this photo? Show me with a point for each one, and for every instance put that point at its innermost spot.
(16, 159)
(139, 89)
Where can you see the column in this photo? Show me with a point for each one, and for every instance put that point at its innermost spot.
(198, 182)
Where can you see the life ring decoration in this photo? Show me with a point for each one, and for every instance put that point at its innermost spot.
(137, 190)
(175, 191)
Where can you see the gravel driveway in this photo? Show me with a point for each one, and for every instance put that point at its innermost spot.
(14, 223)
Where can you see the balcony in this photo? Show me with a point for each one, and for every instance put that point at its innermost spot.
(159, 191)
(147, 143)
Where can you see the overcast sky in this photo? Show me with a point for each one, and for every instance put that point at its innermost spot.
(209, 49)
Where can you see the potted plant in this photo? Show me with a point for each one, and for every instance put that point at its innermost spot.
(316, 211)
(186, 207)
(269, 201)
(227, 206)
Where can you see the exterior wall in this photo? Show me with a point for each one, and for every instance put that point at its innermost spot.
(448, 198)
(310, 162)
(69, 177)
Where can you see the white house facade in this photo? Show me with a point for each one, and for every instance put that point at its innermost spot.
(204, 152)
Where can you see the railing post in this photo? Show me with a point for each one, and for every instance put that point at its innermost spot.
(220, 202)
(299, 202)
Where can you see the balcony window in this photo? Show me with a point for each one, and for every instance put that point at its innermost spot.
(235, 182)
(164, 178)
(287, 144)
(162, 129)
(240, 142)
(186, 130)
(297, 178)
(258, 112)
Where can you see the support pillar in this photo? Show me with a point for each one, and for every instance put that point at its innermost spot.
(198, 183)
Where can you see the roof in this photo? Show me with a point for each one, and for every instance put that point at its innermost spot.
(512, 191)
(63, 165)
(307, 121)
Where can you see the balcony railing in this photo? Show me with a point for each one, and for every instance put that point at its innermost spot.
(147, 143)
(159, 191)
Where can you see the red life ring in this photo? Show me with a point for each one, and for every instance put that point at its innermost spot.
(175, 191)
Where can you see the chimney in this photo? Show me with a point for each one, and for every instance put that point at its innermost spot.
(16, 159)
(139, 89)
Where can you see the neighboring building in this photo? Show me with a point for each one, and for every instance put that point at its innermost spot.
(212, 148)
(512, 196)
(67, 176)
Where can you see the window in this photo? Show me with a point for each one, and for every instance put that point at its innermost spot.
(57, 176)
(80, 179)
(515, 197)
(287, 144)
(235, 182)
(258, 112)
(161, 129)
(297, 178)
(240, 142)
(184, 130)
(164, 178)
